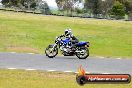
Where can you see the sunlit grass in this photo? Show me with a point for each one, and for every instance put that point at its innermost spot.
(40, 79)
(21, 32)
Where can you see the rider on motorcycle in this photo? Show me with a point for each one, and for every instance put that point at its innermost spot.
(68, 34)
(73, 39)
(69, 46)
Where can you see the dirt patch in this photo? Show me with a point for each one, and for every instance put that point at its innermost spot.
(23, 49)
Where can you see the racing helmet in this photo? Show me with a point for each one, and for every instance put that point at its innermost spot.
(68, 32)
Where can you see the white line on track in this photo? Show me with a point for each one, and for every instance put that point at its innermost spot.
(99, 57)
(76, 72)
(118, 58)
(30, 53)
(67, 71)
(55, 70)
(87, 72)
(12, 52)
(51, 70)
(12, 68)
(105, 73)
(30, 69)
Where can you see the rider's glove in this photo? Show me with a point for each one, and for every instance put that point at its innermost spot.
(62, 35)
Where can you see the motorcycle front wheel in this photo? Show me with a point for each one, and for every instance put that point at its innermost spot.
(51, 52)
(83, 54)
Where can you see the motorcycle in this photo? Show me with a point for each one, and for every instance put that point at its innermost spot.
(80, 49)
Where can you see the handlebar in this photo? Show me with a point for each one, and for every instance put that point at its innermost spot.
(62, 35)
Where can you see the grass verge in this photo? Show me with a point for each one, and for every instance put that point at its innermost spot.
(39, 79)
(21, 32)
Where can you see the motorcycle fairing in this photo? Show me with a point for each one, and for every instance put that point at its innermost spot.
(81, 44)
(66, 41)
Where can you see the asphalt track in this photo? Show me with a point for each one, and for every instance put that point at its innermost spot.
(65, 64)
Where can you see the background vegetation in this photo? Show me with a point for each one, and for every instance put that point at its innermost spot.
(110, 9)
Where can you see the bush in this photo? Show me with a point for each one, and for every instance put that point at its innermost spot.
(130, 16)
(128, 6)
(118, 10)
(33, 5)
(79, 11)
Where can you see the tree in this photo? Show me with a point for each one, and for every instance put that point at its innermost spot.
(79, 11)
(5, 2)
(121, 1)
(17, 3)
(60, 4)
(128, 6)
(28, 3)
(96, 9)
(44, 8)
(118, 10)
(33, 5)
(9, 3)
(93, 6)
(106, 6)
(66, 5)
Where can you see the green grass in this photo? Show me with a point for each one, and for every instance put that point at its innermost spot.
(39, 79)
(21, 32)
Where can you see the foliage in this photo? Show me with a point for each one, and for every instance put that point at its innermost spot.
(28, 3)
(118, 10)
(18, 3)
(10, 2)
(60, 4)
(5, 2)
(94, 6)
(44, 8)
(67, 5)
(79, 11)
(128, 6)
(33, 5)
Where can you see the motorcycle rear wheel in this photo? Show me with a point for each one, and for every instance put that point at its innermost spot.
(83, 56)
